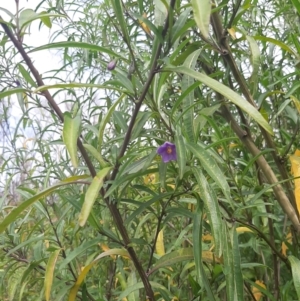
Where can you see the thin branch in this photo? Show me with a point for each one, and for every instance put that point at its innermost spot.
(264, 237)
(235, 10)
(264, 166)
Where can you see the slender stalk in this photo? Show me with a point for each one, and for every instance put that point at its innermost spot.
(112, 206)
(264, 166)
(230, 61)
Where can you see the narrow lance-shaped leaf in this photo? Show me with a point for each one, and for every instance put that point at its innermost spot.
(75, 85)
(118, 9)
(106, 118)
(26, 75)
(228, 263)
(295, 167)
(296, 4)
(210, 166)
(255, 61)
(96, 155)
(86, 269)
(71, 132)
(226, 92)
(187, 81)
(11, 92)
(212, 206)
(277, 43)
(82, 45)
(295, 264)
(181, 153)
(198, 254)
(238, 276)
(159, 245)
(202, 10)
(28, 15)
(91, 195)
(49, 274)
(14, 214)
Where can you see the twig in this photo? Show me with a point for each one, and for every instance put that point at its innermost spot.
(264, 166)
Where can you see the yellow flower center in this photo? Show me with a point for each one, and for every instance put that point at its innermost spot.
(169, 150)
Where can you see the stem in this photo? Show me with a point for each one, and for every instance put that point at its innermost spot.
(264, 166)
(284, 201)
(112, 207)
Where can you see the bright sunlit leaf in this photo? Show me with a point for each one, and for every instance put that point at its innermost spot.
(295, 169)
(256, 291)
(159, 246)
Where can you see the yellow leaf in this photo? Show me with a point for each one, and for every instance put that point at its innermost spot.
(256, 292)
(49, 274)
(295, 169)
(209, 257)
(232, 145)
(105, 248)
(76, 286)
(150, 178)
(144, 26)
(207, 237)
(159, 246)
(284, 247)
(231, 31)
(264, 114)
(296, 102)
(243, 229)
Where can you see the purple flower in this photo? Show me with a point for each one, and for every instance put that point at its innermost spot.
(167, 151)
(112, 65)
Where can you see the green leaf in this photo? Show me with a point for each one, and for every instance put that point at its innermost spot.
(13, 215)
(96, 154)
(118, 9)
(179, 24)
(147, 205)
(49, 273)
(45, 18)
(75, 85)
(209, 164)
(228, 264)
(295, 264)
(106, 118)
(82, 45)
(225, 91)
(181, 153)
(25, 243)
(91, 195)
(11, 92)
(189, 100)
(28, 15)
(172, 258)
(71, 131)
(140, 285)
(26, 75)
(160, 12)
(78, 250)
(255, 61)
(238, 276)
(296, 4)
(276, 42)
(197, 247)
(197, 241)
(212, 206)
(202, 11)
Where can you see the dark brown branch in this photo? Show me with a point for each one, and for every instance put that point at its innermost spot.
(112, 206)
(229, 59)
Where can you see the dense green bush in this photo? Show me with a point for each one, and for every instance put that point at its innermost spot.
(96, 205)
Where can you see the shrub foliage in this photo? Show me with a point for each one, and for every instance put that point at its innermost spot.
(90, 211)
